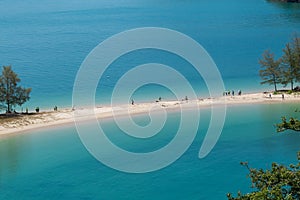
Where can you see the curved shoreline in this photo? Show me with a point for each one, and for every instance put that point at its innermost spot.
(42, 120)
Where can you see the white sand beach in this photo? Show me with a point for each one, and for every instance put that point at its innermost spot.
(44, 119)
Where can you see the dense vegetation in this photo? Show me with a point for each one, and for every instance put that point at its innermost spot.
(292, 124)
(280, 182)
(11, 94)
(284, 70)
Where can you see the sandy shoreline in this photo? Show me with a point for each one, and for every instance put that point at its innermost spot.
(25, 123)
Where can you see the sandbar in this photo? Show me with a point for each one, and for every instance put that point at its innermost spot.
(28, 122)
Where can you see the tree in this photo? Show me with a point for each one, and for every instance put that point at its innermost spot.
(292, 124)
(270, 69)
(10, 93)
(281, 182)
(291, 63)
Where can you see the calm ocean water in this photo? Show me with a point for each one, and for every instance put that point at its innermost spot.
(46, 41)
(53, 164)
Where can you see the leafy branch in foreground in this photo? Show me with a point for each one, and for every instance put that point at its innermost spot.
(281, 182)
(292, 124)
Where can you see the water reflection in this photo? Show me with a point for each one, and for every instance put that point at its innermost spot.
(10, 154)
(291, 10)
(284, 5)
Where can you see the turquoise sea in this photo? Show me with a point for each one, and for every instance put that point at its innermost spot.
(53, 163)
(46, 42)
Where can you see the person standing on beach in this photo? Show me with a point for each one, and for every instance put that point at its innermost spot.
(282, 96)
(132, 102)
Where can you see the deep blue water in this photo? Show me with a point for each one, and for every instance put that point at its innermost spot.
(46, 41)
(52, 164)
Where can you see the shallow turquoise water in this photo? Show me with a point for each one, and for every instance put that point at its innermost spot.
(52, 164)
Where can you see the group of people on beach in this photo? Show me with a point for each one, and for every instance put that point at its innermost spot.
(231, 93)
(226, 93)
(282, 96)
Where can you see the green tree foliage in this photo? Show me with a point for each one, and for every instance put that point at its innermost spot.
(270, 69)
(292, 124)
(280, 182)
(285, 70)
(291, 63)
(11, 94)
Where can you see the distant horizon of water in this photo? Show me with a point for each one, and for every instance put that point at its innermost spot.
(46, 42)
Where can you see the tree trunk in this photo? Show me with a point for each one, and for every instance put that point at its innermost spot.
(8, 107)
(274, 81)
(292, 85)
(7, 96)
